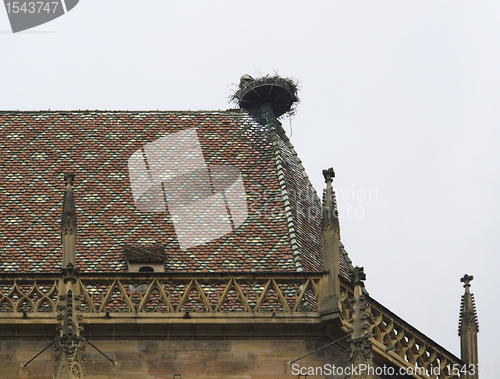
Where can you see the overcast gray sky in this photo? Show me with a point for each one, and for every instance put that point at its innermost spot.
(400, 97)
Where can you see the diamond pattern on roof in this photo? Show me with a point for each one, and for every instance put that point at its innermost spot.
(39, 146)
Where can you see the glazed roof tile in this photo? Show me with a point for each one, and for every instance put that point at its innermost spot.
(281, 231)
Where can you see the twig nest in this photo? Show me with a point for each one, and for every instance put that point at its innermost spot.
(280, 93)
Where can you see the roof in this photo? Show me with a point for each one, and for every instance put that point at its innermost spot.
(275, 221)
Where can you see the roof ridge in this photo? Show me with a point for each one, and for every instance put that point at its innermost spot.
(306, 204)
(271, 122)
(288, 142)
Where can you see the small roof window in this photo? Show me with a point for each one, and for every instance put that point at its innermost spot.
(149, 258)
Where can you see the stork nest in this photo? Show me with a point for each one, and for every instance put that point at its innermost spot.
(280, 92)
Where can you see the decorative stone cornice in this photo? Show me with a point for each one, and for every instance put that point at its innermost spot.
(297, 293)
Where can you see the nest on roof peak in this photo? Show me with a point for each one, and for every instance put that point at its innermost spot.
(280, 93)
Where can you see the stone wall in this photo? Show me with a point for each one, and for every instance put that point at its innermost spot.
(161, 359)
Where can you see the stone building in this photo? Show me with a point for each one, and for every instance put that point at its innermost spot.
(186, 245)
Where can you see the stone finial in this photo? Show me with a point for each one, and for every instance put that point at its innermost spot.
(329, 174)
(69, 178)
(466, 280)
(358, 276)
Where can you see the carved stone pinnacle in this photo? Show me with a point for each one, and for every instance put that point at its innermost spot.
(329, 174)
(466, 280)
(69, 178)
(358, 275)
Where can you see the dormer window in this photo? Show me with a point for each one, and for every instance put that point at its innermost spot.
(145, 258)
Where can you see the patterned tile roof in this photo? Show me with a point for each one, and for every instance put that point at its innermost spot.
(280, 231)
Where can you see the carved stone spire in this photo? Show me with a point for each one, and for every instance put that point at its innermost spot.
(330, 213)
(68, 222)
(330, 231)
(69, 362)
(360, 352)
(468, 328)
